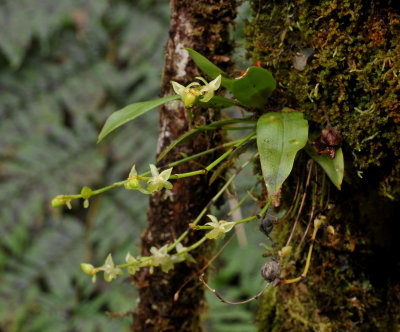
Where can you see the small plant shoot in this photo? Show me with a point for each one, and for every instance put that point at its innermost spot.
(280, 138)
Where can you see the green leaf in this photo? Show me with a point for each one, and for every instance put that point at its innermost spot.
(209, 68)
(253, 89)
(279, 137)
(218, 102)
(131, 112)
(334, 168)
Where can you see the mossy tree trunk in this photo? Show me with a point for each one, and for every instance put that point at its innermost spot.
(353, 70)
(203, 26)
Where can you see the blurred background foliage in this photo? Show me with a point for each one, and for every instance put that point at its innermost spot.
(64, 67)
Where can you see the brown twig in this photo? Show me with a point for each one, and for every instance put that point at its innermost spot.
(230, 302)
(176, 295)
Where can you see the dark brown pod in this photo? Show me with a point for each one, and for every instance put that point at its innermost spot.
(331, 137)
(271, 271)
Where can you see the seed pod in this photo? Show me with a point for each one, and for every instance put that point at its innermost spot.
(270, 271)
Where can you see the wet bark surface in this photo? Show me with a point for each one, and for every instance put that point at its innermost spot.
(203, 26)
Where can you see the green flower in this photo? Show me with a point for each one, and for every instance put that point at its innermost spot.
(161, 257)
(208, 89)
(134, 182)
(187, 93)
(129, 259)
(183, 257)
(159, 180)
(110, 271)
(219, 227)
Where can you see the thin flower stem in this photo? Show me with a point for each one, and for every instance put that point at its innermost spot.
(144, 176)
(227, 153)
(193, 246)
(195, 156)
(307, 266)
(188, 174)
(241, 201)
(212, 201)
(241, 221)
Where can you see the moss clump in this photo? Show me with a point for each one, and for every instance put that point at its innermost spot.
(354, 70)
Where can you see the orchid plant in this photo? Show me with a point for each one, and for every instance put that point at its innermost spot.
(279, 135)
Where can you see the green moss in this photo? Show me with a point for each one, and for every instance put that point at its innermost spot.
(353, 280)
(354, 71)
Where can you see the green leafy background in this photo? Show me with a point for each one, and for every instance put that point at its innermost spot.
(65, 66)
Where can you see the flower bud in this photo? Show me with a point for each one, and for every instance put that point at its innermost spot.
(330, 230)
(285, 251)
(88, 268)
(86, 203)
(318, 221)
(57, 201)
(60, 201)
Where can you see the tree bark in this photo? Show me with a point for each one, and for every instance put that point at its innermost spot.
(203, 26)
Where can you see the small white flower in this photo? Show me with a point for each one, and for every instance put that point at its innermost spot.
(161, 257)
(219, 227)
(159, 181)
(110, 271)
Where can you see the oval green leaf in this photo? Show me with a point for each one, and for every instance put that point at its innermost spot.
(279, 137)
(131, 112)
(209, 68)
(334, 168)
(253, 89)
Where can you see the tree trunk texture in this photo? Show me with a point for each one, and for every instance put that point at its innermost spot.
(203, 26)
(354, 279)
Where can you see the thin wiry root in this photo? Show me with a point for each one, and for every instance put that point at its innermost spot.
(229, 302)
